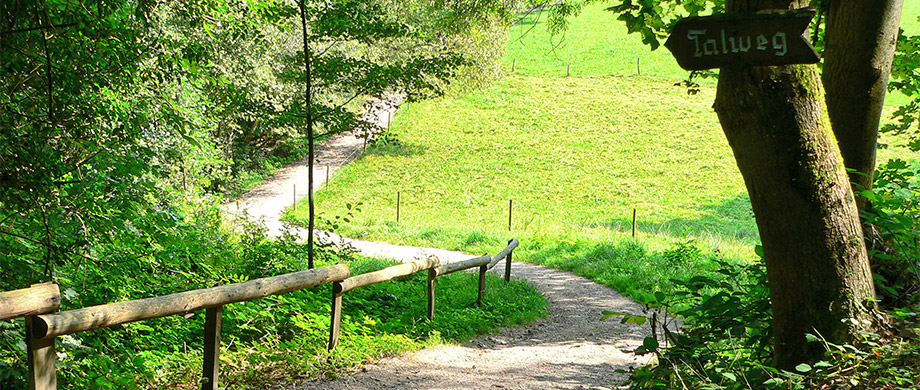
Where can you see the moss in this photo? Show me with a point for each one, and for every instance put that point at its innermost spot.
(805, 81)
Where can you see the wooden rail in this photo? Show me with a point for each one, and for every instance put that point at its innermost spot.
(507, 252)
(39, 303)
(388, 273)
(42, 327)
(434, 268)
(38, 299)
(103, 316)
(462, 265)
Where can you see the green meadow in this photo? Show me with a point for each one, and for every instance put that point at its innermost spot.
(596, 44)
(585, 131)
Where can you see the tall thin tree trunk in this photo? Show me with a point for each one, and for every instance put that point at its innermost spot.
(776, 123)
(860, 40)
(310, 140)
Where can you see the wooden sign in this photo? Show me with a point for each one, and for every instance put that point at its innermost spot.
(760, 39)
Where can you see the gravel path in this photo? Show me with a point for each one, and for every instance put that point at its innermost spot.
(268, 200)
(569, 349)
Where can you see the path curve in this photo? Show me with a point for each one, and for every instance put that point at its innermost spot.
(569, 349)
(268, 200)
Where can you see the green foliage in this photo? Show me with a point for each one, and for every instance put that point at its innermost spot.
(116, 112)
(893, 233)
(67, 134)
(724, 339)
(268, 340)
(905, 79)
(120, 121)
(877, 362)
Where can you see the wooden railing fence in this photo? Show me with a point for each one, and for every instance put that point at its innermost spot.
(434, 268)
(39, 305)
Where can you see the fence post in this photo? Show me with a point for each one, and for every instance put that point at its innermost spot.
(398, 199)
(213, 322)
(508, 264)
(432, 274)
(510, 207)
(336, 317)
(634, 224)
(482, 283)
(41, 360)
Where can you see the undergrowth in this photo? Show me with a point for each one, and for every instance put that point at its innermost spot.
(276, 339)
(724, 340)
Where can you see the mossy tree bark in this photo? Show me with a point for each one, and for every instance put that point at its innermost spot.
(860, 41)
(776, 123)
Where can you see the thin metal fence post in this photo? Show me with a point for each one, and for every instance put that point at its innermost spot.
(634, 224)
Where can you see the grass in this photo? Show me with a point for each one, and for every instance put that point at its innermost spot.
(910, 17)
(576, 155)
(910, 23)
(283, 337)
(595, 45)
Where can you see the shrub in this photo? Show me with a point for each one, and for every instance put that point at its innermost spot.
(725, 340)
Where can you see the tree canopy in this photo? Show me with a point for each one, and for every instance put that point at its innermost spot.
(114, 112)
(124, 124)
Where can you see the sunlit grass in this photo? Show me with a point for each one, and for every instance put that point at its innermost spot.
(575, 154)
(596, 44)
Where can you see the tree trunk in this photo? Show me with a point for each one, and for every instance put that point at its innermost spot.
(860, 41)
(308, 68)
(776, 123)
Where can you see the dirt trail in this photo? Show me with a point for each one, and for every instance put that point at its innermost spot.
(268, 200)
(569, 349)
